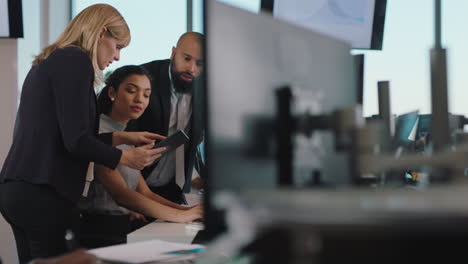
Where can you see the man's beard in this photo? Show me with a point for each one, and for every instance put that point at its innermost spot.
(180, 85)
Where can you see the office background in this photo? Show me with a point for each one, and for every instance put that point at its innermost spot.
(156, 25)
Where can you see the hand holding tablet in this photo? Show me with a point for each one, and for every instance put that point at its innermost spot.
(173, 141)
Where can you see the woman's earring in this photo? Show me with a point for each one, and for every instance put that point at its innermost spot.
(112, 99)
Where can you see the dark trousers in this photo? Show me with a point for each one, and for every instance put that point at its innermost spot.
(170, 191)
(39, 217)
(102, 230)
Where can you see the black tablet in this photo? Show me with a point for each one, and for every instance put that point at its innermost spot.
(173, 141)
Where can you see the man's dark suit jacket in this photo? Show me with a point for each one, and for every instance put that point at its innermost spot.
(57, 124)
(155, 119)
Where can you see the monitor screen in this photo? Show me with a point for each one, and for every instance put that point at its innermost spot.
(405, 129)
(11, 19)
(250, 56)
(360, 22)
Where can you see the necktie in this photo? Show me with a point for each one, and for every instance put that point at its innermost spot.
(180, 162)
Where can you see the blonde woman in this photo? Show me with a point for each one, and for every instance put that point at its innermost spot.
(56, 134)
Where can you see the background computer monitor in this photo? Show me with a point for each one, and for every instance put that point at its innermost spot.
(11, 19)
(361, 22)
(405, 130)
(249, 56)
(456, 122)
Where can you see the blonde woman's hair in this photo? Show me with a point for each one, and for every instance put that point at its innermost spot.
(84, 31)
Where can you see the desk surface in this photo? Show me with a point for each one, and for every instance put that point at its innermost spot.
(171, 232)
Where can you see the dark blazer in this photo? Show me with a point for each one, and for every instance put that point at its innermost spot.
(155, 119)
(56, 132)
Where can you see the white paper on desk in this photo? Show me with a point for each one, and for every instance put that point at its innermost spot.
(146, 251)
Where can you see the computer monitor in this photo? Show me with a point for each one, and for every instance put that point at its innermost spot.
(405, 129)
(424, 127)
(249, 56)
(361, 22)
(11, 19)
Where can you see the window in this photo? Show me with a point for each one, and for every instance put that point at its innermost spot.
(155, 27)
(405, 57)
(250, 5)
(404, 60)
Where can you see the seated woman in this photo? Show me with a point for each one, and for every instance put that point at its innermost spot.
(106, 217)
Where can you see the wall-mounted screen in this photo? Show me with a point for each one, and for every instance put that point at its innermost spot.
(360, 22)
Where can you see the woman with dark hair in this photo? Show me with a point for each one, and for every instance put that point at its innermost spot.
(106, 219)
